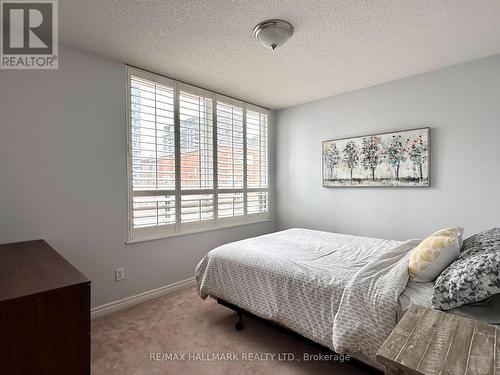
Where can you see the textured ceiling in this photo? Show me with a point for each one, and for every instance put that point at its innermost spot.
(338, 45)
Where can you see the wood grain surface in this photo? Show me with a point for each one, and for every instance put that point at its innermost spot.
(428, 341)
(32, 267)
(44, 312)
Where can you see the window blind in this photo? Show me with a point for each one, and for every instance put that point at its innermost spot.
(257, 163)
(196, 141)
(152, 149)
(197, 160)
(196, 152)
(230, 146)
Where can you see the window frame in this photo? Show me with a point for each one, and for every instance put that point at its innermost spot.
(179, 229)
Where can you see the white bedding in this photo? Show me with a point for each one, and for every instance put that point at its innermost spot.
(415, 294)
(295, 277)
(367, 313)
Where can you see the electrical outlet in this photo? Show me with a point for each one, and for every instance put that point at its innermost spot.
(119, 274)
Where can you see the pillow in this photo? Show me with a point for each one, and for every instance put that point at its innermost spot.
(434, 254)
(474, 277)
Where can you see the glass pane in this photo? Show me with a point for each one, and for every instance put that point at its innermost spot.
(230, 204)
(197, 207)
(229, 146)
(257, 145)
(152, 135)
(257, 202)
(150, 211)
(196, 132)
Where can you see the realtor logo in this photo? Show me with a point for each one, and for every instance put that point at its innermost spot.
(29, 37)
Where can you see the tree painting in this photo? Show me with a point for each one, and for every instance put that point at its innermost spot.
(351, 156)
(417, 149)
(370, 153)
(332, 159)
(396, 152)
(388, 159)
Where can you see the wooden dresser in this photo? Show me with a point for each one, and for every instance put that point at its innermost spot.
(44, 312)
(427, 342)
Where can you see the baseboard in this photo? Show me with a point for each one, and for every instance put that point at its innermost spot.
(125, 303)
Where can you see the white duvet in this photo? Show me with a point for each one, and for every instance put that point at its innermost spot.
(310, 281)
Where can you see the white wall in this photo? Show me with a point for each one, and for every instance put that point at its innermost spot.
(460, 103)
(63, 177)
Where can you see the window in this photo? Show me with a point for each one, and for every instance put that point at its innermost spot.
(197, 160)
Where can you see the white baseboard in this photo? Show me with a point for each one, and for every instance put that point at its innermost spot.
(127, 302)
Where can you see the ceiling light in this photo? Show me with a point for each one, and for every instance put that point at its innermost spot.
(273, 33)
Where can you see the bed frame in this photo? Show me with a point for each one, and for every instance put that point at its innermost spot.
(239, 326)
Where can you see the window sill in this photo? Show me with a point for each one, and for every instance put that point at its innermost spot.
(194, 231)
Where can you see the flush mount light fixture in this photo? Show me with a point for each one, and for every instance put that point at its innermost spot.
(273, 33)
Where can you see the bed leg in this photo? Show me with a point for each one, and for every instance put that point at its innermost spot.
(239, 324)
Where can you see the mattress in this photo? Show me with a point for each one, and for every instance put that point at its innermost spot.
(295, 277)
(415, 293)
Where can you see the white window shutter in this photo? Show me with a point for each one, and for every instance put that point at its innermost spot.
(197, 160)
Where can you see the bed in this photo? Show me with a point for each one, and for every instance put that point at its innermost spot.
(340, 291)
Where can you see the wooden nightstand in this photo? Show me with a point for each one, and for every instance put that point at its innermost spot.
(428, 341)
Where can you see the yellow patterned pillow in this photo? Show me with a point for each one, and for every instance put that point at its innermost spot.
(434, 254)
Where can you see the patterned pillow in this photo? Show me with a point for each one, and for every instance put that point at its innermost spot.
(474, 276)
(434, 254)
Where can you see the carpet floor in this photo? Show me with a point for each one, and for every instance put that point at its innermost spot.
(181, 324)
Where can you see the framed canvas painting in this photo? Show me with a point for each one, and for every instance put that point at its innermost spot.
(400, 158)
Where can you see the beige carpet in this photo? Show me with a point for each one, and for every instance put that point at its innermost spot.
(181, 322)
